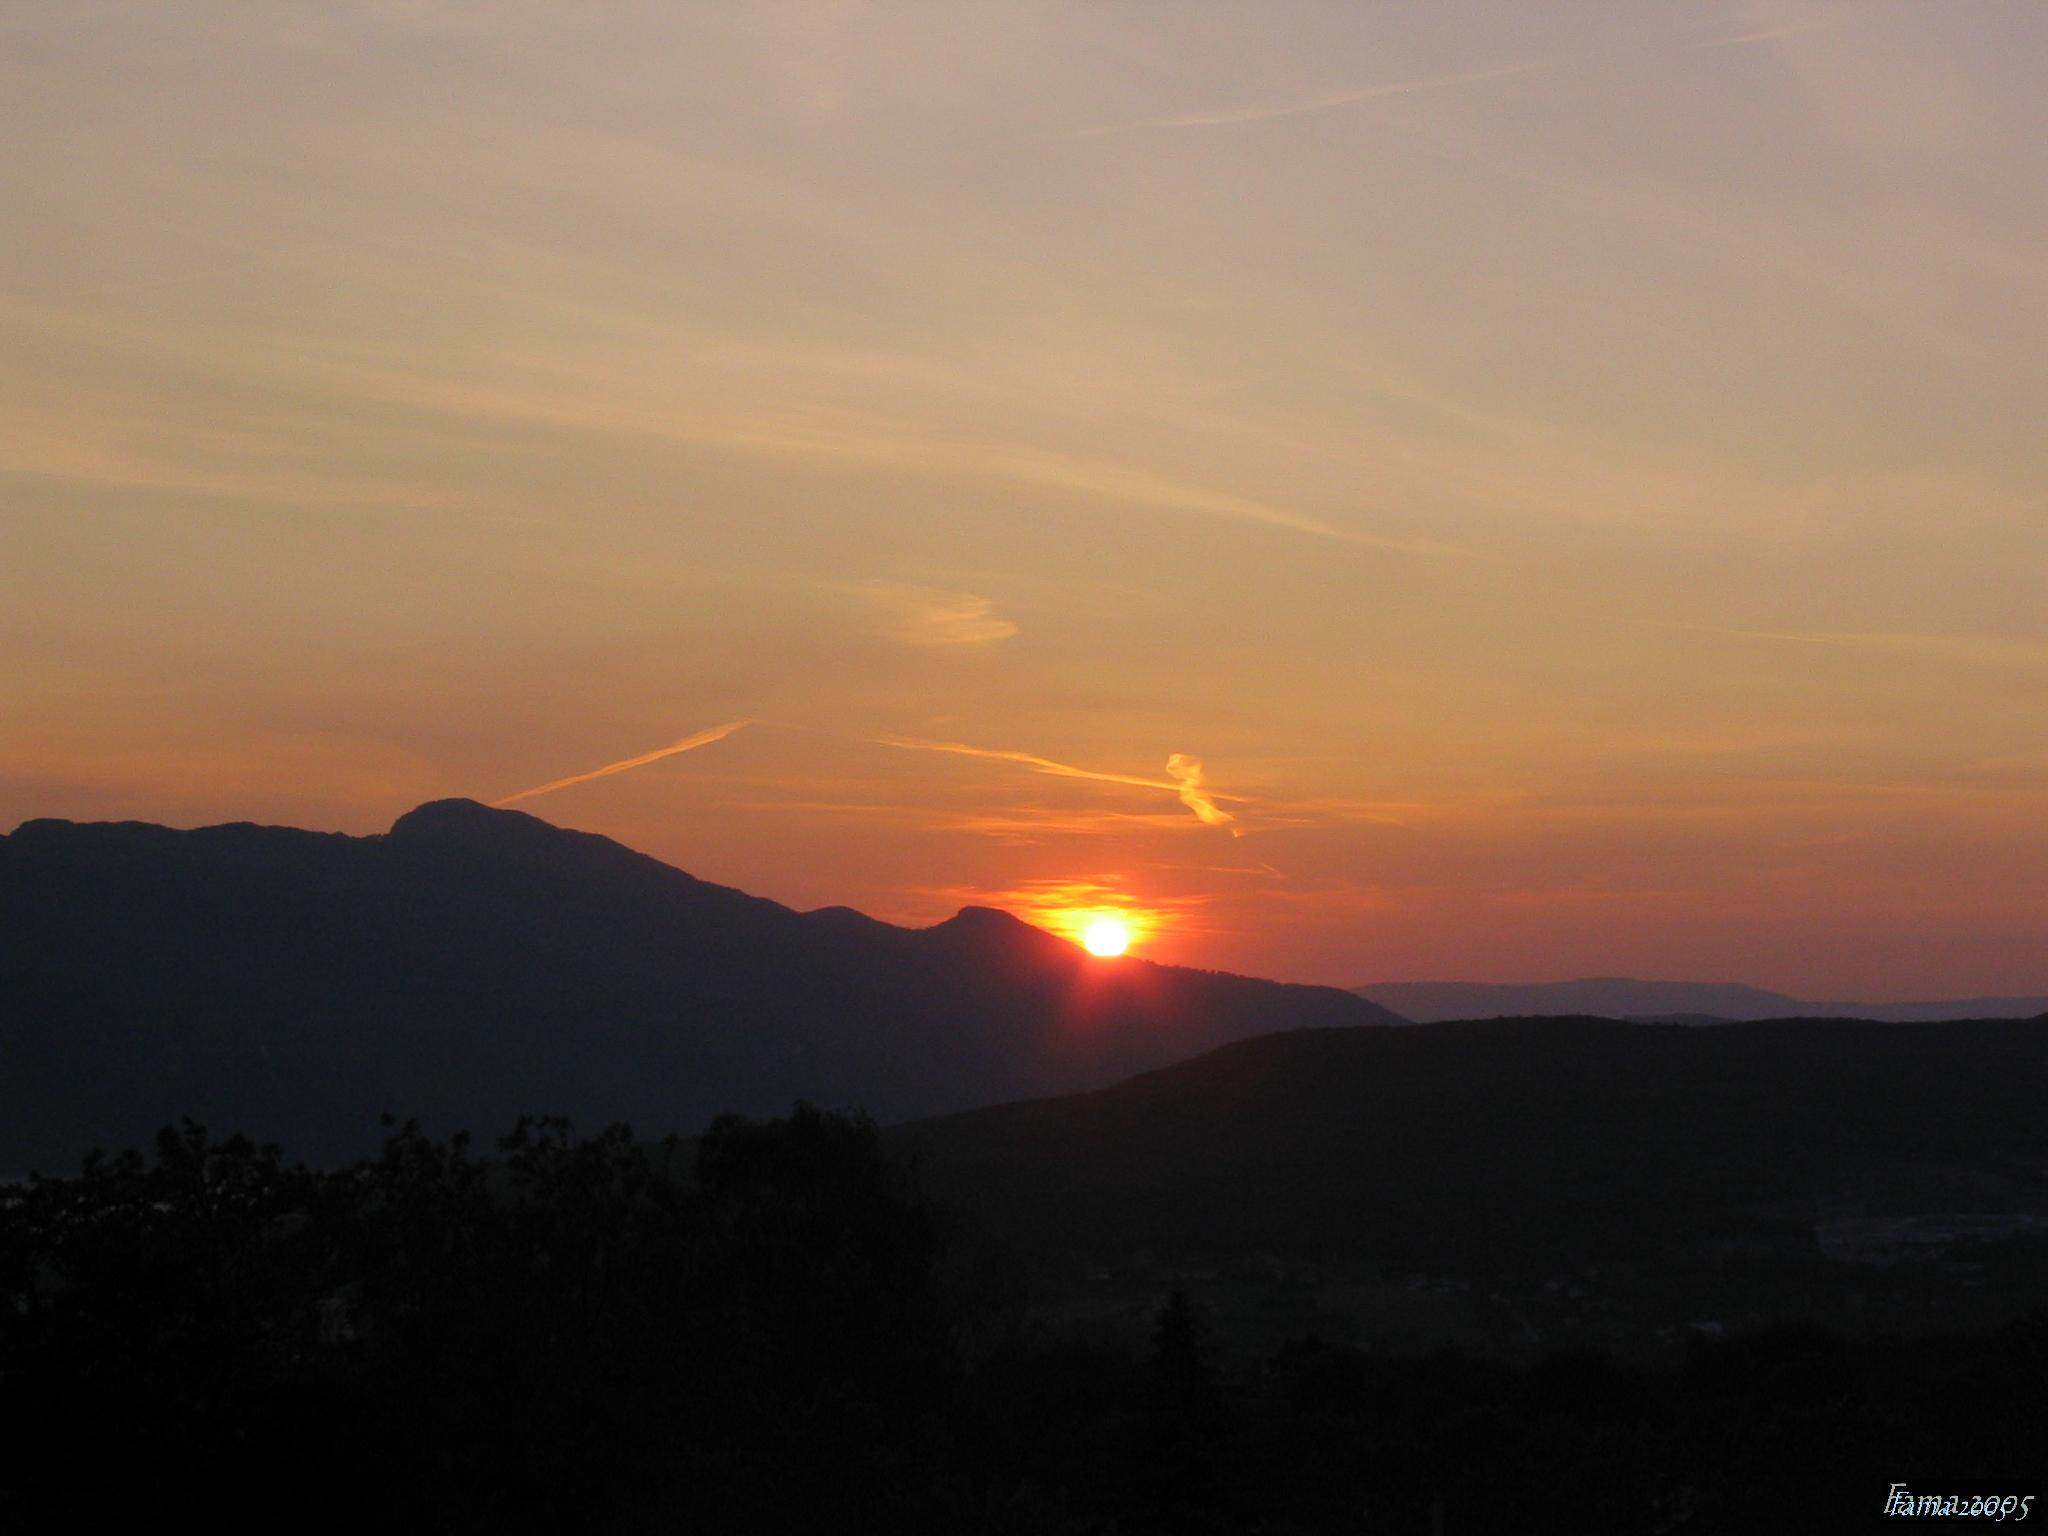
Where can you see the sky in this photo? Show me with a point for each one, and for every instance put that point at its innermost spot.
(1376, 492)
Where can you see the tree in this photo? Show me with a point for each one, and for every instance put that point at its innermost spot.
(1189, 1477)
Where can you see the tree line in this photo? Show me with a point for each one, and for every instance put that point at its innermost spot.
(770, 1330)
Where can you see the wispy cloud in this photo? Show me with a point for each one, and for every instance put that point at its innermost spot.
(1103, 479)
(1332, 101)
(1187, 772)
(812, 50)
(2024, 653)
(1037, 824)
(1767, 34)
(1185, 782)
(260, 462)
(1263, 114)
(1856, 285)
(864, 439)
(1340, 811)
(929, 616)
(687, 744)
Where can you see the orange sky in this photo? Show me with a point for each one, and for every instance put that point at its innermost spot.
(1571, 482)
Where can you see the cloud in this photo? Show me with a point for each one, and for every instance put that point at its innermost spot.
(873, 440)
(1185, 783)
(889, 444)
(2024, 653)
(1037, 824)
(1187, 772)
(813, 50)
(1769, 34)
(928, 616)
(1313, 104)
(687, 744)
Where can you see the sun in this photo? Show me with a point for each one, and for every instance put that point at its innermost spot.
(1106, 936)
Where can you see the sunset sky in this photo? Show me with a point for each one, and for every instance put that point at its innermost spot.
(1381, 492)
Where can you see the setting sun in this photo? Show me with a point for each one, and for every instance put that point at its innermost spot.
(1107, 936)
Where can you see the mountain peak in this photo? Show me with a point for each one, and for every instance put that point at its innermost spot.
(992, 919)
(993, 924)
(440, 815)
(473, 833)
(470, 822)
(990, 930)
(475, 963)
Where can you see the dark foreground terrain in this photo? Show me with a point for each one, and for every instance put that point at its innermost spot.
(1508, 1181)
(773, 1331)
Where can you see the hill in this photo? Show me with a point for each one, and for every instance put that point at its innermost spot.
(1520, 1146)
(1676, 1002)
(473, 964)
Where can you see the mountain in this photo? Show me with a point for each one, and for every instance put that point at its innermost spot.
(1622, 997)
(473, 964)
(1520, 1145)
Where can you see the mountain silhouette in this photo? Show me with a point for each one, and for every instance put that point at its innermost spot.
(1516, 1144)
(1673, 1002)
(473, 964)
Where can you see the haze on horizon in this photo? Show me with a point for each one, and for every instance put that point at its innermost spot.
(1564, 488)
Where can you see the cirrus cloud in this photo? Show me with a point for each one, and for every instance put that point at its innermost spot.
(935, 618)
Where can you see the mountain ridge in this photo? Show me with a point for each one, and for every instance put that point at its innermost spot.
(1627, 997)
(1530, 1144)
(475, 963)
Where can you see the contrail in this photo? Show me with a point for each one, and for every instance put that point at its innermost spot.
(1185, 781)
(687, 744)
(1316, 104)
(1743, 39)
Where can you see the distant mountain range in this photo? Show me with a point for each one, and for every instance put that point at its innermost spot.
(1527, 1145)
(472, 965)
(1688, 1002)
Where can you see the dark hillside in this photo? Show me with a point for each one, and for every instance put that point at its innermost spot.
(472, 965)
(1675, 1002)
(1519, 1145)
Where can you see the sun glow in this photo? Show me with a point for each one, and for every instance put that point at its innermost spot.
(1106, 936)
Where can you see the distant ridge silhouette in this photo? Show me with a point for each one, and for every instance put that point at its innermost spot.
(1532, 1143)
(1675, 1002)
(474, 964)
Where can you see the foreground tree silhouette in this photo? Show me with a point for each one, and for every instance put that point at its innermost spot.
(593, 1333)
(767, 1331)
(1189, 1474)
